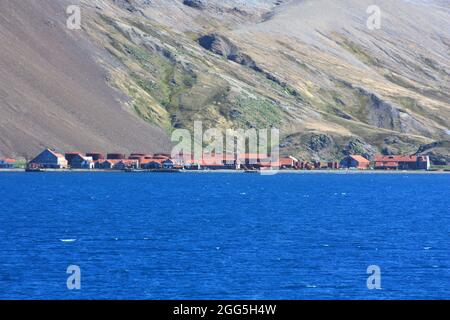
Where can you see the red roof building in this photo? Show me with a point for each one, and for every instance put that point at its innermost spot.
(398, 162)
(355, 162)
(152, 163)
(282, 163)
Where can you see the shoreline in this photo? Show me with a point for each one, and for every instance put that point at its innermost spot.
(343, 172)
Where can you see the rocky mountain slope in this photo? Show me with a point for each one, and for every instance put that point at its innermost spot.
(54, 91)
(310, 67)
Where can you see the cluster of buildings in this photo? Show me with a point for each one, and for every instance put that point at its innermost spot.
(390, 162)
(402, 163)
(50, 159)
(7, 163)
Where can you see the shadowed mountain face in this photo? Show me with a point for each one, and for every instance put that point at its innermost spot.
(54, 90)
(312, 68)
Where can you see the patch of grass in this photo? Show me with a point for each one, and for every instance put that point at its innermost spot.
(167, 80)
(160, 91)
(145, 111)
(156, 31)
(415, 106)
(399, 81)
(140, 54)
(259, 113)
(20, 164)
(436, 167)
(359, 52)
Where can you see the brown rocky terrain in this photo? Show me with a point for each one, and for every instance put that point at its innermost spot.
(54, 91)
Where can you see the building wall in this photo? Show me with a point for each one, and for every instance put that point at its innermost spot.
(124, 165)
(48, 160)
(410, 165)
(87, 164)
(103, 165)
(349, 162)
(424, 163)
(152, 165)
(362, 165)
(168, 164)
(5, 165)
(81, 163)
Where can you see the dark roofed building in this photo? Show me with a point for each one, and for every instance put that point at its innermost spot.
(95, 156)
(49, 159)
(81, 162)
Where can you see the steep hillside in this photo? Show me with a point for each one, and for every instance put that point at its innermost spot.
(54, 91)
(310, 67)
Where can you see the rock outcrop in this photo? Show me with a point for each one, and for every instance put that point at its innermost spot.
(225, 48)
(438, 151)
(197, 4)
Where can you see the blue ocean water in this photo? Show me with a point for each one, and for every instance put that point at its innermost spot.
(224, 236)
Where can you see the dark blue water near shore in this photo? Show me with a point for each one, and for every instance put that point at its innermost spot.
(224, 236)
